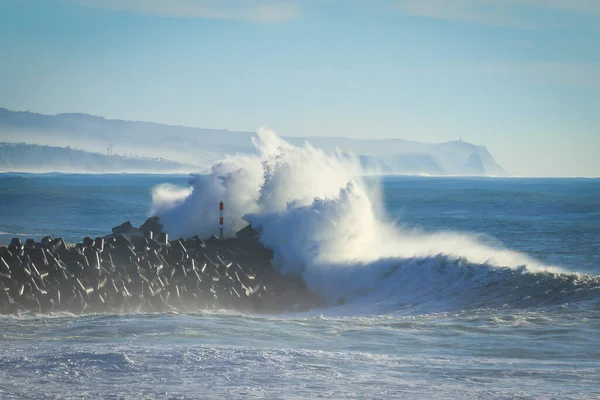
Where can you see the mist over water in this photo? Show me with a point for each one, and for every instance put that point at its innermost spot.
(326, 223)
(281, 176)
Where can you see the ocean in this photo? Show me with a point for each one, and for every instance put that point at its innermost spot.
(454, 287)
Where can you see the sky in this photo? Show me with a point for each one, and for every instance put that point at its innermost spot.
(521, 77)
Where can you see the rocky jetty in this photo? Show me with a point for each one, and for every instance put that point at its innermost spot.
(141, 270)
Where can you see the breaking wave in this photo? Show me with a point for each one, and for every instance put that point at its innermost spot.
(327, 224)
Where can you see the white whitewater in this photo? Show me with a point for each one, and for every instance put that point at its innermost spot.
(326, 223)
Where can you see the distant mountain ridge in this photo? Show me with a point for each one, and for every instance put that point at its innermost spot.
(198, 146)
(24, 157)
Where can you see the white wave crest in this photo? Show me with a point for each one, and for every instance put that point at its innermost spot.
(324, 222)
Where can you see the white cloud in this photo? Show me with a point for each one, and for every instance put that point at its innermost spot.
(507, 13)
(247, 10)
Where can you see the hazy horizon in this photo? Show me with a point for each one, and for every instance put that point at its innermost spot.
(516, 76)
(87, 145)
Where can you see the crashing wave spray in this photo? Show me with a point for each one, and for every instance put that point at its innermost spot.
(278, 175)
(327, 225)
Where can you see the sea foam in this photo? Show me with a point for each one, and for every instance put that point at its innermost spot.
(326, 223)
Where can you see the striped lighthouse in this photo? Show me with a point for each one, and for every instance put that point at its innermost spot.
(221, 208)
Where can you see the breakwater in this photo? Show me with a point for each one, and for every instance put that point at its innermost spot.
(141, 270)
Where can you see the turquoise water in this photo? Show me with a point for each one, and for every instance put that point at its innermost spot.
(434, 327)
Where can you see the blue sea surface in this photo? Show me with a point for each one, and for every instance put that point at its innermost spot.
(487, 332)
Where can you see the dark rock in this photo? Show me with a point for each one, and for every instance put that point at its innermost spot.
(163, 238)
(213, 240)
(121, 242)
(247, 233)
(195, 243)
(123, 228)
(5, 252)
(153, 225)
(99, 244)
(140, 243)
(16, 250)
(39, 256)
(176, 256)
(92, 258)
(154, 245)
(107, 275)
(57, 245)
(179, 244)
(4, 267)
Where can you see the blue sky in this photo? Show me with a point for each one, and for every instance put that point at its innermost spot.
(519, 76)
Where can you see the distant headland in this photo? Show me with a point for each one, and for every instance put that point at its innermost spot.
(133, 146)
